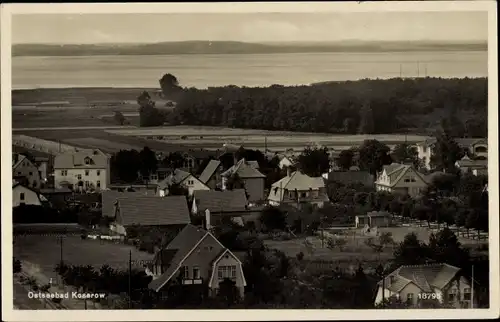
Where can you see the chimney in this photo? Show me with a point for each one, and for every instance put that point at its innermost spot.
(207, 220)
(288, 171)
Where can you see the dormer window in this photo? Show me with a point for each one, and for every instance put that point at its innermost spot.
(88, 160)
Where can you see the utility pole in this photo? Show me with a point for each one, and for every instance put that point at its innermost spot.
(61, 250)
(472, 289)
(130, 280)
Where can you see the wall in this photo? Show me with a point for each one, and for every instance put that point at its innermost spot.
(386, 293)
(458, 285)
(254, 188)
(415, 187)
(228, 260)
(424, 153)
(30, 197)
(410, 288)
(193, 184)
(72, 177)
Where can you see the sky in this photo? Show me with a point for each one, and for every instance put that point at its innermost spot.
(249, 27)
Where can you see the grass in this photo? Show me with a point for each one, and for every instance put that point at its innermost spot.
(44, 251)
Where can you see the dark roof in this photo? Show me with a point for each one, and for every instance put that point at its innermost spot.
(55, 190)
(176, 177)
(152, 211)
(183, 243)
(350, 177)
(109, 198)
(209, 170)
(423, 276)
(215, 201)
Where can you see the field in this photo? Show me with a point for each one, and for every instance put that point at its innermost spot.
(355, 249)
(44, 251)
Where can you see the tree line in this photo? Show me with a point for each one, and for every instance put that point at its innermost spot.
(350, 107)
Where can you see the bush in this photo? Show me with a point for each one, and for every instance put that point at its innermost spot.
(45, 288)
(17, 266)
(300, 256)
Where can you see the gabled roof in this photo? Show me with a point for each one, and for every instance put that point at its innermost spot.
(396, 171)
(466, 142)
(20, 159)
(109, 198)
(76, 160)
(176, 177)
(152, 211)
(253, 164)
(185, 243)
(299, 181)
(209, 170)
(424, 276)
(217, 201)
(16, 184)
(468, 163)
(244, 170)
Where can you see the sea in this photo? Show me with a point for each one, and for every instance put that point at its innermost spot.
(253, 70)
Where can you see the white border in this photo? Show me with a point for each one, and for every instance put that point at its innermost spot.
(239, 315)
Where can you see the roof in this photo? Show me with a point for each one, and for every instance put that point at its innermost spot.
(244, 170)
(395, 171)
(299, 181)
(109, 198)
(76, 160)
(350, 177)
(221, 201)
(424, 276)
(55, 190)
(463, 142)
(253, 164)
(209, 170)
(468, 163)
(187, 239)
(176, 177)
(152, 211)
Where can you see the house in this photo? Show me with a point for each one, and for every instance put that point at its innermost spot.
(211, 175)
(149, 211)
(477, 147)
(23, 169)
(22, 195)
(183, 179)
(251, 178)
(297, 188)
(195, 257)
(408, 283)
(227, 203)
(85, 170)
(352, 177)
(401, 178)
(466, 164)
(374, 219)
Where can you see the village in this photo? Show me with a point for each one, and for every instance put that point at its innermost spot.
(196, 220)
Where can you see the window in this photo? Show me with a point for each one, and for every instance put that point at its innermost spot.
(409, 298)
(196, 273)
(87, 173)
(185, 272)
(452, 295)
(227, 272)
(98, 184)
(21, 196)
(31, 173)
(98, 172)
(64, 173)
(190, 182)
(154, 177)
(18, 173)
(87, 160)
(79, 177)
(303, 194)
(467, 294)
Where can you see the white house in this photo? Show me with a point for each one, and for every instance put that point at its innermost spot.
(24, 169)
(183, 179)
(22, 195)
(414, 283)
(85, 170)
(401, 178)
(476, 147)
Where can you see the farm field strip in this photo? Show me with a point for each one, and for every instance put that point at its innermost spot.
(97, 143)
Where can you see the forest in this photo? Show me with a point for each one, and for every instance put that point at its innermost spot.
(397, 105)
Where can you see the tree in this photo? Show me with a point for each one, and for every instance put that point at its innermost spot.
(367, 124)
(386, 238)
(169, 85)
(445, 248)
(346, 159)
(17, 267)
(411, 251)
(119, 118)
(125, 165)
(273, 218)
(148, 114)
(405, 152)
(373, 155)
(339, 243)
(174, 160)
(149, 163)
(314, 161)
(446, 153)
(228, 293)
